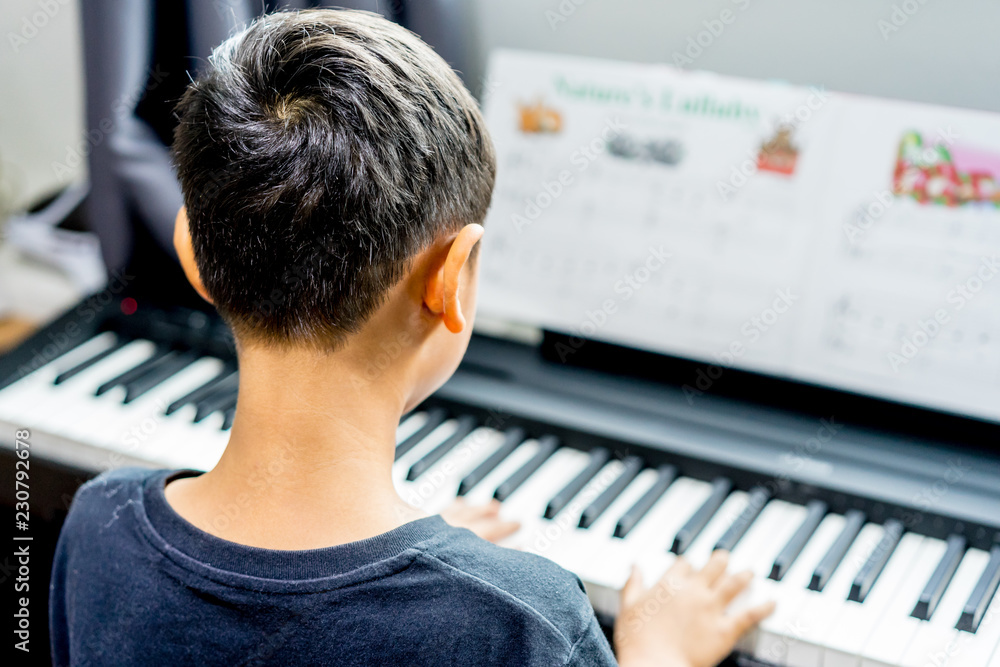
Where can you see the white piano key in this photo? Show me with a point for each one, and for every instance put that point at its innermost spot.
(110, 414)
(653, 557)
(756, 552)
(32, 388)
(846, 638)
(438, 486)
(433, 439)
(779, 630)
(648, 544)
(561, 538)
(976, 648)
(410, 425)
(937, 637)
(173, 441)
(727, 513)
(895, 629)
(600, 582)
(482, 493)
(70, 401)
(822, 608)
(209, 443)
(132, 428)
(528, 503)
(169, 441)
(766, 537)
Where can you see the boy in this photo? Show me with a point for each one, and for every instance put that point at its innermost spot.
(335, 173)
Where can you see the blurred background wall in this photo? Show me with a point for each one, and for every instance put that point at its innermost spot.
(41, 97)
(925, 50)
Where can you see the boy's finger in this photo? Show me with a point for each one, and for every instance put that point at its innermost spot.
(632, 590)
(746, 620)
(680, 569)
(733, 585)
(491, 508)
(715, 567)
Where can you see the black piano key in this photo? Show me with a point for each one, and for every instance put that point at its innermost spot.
(465, 425)
(982, 594)
(135, 372)
(512, 439)
(686, 535)
(598, 457)
(196, 395)
(87, 363)
(546, 447)
(434, 419)
(758, 498)
(216, 397)
(631, 466)
(665, 476)
(221, 399)
(815, 512)
(168, 366)
(873, 567)
(227, 418)
(938, 583)
(854, 520)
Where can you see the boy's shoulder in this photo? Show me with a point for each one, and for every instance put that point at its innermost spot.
(113, 486)
(511, 569)
(535, 584)
(99, 502)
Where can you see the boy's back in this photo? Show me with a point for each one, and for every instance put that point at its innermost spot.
(134, 583)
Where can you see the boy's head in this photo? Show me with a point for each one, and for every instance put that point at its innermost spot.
(324, 156)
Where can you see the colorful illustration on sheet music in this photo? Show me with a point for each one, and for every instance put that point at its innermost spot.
(948, 175)
(537, 118)
(779, 154)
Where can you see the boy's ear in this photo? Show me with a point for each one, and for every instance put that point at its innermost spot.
(442, 286)
(185, 253)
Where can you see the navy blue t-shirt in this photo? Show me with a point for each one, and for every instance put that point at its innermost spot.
(134, 583)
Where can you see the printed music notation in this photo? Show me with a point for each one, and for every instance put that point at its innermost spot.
(836, 239)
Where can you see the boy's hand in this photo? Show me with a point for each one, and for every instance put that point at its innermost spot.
(483, 520)
(682, 620)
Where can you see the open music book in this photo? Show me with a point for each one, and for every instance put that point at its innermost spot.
(834, 239)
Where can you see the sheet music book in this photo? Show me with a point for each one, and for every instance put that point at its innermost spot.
(841, 240)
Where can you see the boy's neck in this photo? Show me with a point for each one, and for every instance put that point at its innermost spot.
(310, 455)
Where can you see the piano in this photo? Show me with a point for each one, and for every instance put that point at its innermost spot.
(879, 552)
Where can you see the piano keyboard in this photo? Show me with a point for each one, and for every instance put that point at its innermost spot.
(851, 589)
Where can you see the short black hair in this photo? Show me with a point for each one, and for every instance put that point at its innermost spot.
(318, 153)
